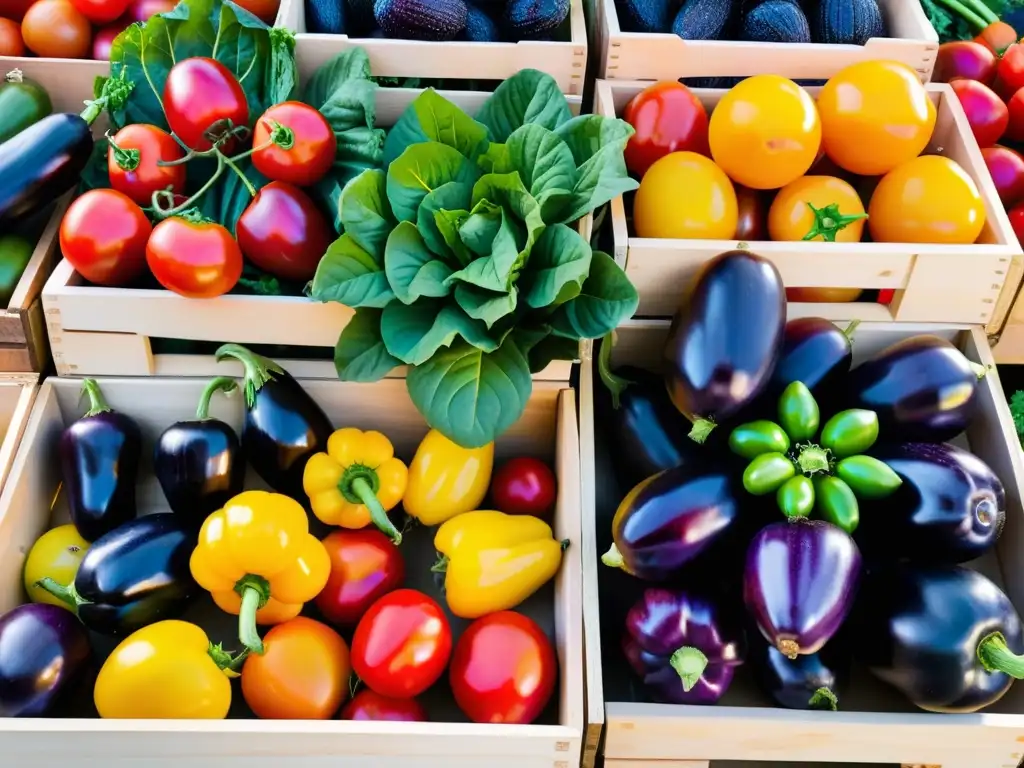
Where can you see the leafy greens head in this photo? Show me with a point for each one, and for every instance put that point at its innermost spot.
(459, 257)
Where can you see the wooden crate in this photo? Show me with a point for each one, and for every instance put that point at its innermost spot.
(547, 430)
(1008, 348)
(661, 56)
(17, 394)
(97, 331)
(455, 59)
(875, 724)
(970, 284)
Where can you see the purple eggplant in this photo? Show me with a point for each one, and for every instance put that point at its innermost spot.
(725, 339)
(922, 388)
(809, 681)
(43, 649)
(682, 647)
(669, 519)
(951, 507)
(800, 582)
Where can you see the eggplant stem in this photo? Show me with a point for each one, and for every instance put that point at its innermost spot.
(255, 592)
(564, 544)
(223, 383)
(788, 648)
(258, 369)
(824, 698)
(701, 429)
(97, 404)
(360, 486)
(848, 333)
(813, 460)
(689, 663)
(66, 594)
(995, 656)
(979, 370)
(613, 558)
(616, 385)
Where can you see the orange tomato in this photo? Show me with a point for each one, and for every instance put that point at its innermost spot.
(55, 29)
(302, 674)
(11, 43)
(929, 199)
(997, 37)
(823, 295)
(823, 206)
(685, 195)
(874, 116)
(765, 132)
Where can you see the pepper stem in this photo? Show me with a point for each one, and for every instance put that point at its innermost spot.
(230, 665)
(701, 429)
(823, 698)
(221, 383)
(829, 221)
(258, 369)
(690, 664)
(979, 370)
(564, 544)
(813, 460)
(613, 558)
(97, 405)
(255, 592)
(441, 566)
(996, 656)
(66, 594)
(359, 485)
(614, 384)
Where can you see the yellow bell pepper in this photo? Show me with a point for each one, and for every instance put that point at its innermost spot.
(168, 670)
(446, 479)
(493, 561)
(358, 481)
(257, 558)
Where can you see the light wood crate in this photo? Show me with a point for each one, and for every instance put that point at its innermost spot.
(874, 724)
(970, 284)
(665, 56)
(566, 61)
(547, 430)
(1009, 346)
(17, 394)
(97, 331)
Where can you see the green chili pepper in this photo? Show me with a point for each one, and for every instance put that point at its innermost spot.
(757, 437)
(849, 433)
(835, 503)
(798, 412)
(868, 477)
(766, 473)
(796, 497)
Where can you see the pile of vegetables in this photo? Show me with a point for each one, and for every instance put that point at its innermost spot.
(830, 490)
(974, 19)
(341, 631)
(773, 163)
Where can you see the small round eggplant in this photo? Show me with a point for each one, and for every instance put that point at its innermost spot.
(817, 353)
(800, 582)
(951, 507)
(809, 681)
(43, 648)
(922, 388)
(669, 519)
(725, 339)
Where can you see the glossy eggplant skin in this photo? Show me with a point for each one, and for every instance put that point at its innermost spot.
(922, 388)
(99, 457)
(951, 507)
(816, 352)
(795, 683)
(725, 337)
(43, 649)
(919, 629)
(800, 582)
(663, 621)
(669, 519)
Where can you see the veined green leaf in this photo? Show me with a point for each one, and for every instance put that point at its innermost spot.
(586, 135)
(488, 306)
(365, 212)
(414, 332)
(351, 276)
(528, 96)
(453, 196)
(420, 170)
(351, 64)
(360, 354)
(412, 270)
(542, 158)
(448, 224)
(606, 299)
(432, 118)
(559, 263)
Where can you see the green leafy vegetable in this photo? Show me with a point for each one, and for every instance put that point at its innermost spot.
(1017, 411)
(964, 19)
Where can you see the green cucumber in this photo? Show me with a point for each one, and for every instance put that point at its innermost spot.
(15, 253)
(22, 103)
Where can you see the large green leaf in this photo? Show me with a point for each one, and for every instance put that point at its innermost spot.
(479, 230)
(559, 263)
(431, 117)
(528, 96)
(349, 65)
(360, 354)
(471, 396)
(552, 348)
(365, 212)
(453, 196)
(448, 224)
(414, 332)
(234, 197)
(606, 299)
(488, 306)
(412, 270)
(544, 162)
(351, 276)
(495, 271)
(602, 178)
(420, 170)
(586, 135)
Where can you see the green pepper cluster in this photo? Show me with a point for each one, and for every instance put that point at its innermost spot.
(827, 475)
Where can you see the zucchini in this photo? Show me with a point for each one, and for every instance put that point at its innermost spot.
(15, 253)
(22, 103)
(849, 22)
(777, 21)
(705, 19)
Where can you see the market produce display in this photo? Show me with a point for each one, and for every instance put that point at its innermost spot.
(989, 21)
(328, 624)
(790, 511)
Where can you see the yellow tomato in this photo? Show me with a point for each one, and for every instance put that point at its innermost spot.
(765, 132)
(874, 116)
(684, 195)
(57, 555)
(823, 295)
(817, 208)
(929, 199)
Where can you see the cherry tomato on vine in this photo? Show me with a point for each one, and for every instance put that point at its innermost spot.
(11, 43)
(55, 29)
(300, 144)
(101, 11)
(201, 96)
(104, 235)
(365, 566)
(765, 132)
(985, 111)
(524, 486)
(874, 116)
(930, 199)
(667, 118)
(402, 644)
(133, 162)
(685, 195)
(194, 257)
(821, 208)
(370, 705)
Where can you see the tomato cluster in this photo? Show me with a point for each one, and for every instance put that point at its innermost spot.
(771, 162)
(107, 234)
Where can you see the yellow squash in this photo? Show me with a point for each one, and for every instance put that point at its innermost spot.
(446, 479)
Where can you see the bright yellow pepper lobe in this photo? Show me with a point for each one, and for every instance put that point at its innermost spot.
(446, 480)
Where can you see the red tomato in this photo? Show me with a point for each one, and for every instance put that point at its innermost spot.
(985, 111)
(1007, 170)
(265, 10)
(886, 295)
(132, 162)
(104, 39)
(283, 232)
(365, 566)
(14, 9)
(193, 257)
(402, 644)
(503, 669)
(143, 10)
(1016, 216)
(965, 58)
(1015, 107)
(667, 118)
(752, 223)
(201, 96)
(997, 37)
(55, 29)
(370, 705)
(11, 43)
(1010, 71)
(299, 144)
(524, 486)
(101, 11)
(103, 235)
